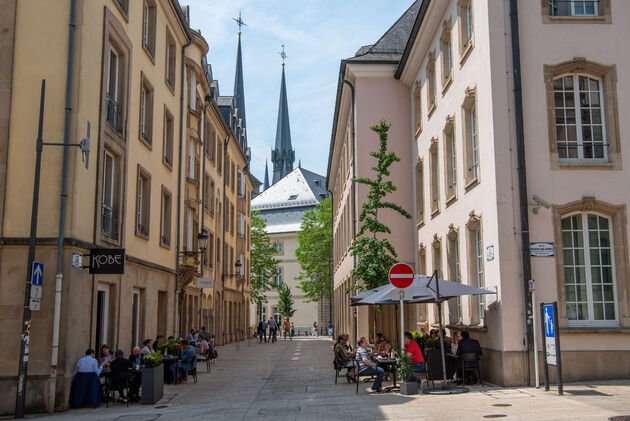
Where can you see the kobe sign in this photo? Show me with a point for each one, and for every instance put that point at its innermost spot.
(107, 261)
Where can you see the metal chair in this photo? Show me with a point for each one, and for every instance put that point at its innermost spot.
(118, 388)
(470, 362)
(205, 357)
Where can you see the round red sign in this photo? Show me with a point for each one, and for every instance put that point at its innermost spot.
(401, 275)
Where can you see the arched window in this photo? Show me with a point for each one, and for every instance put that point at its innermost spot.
(579, 113)
(589, 269)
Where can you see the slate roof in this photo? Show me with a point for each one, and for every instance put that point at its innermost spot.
(299, 188)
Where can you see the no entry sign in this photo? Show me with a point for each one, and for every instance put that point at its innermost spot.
(401, 275)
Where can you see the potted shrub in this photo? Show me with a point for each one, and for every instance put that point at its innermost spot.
(152, 378)
(405, 373)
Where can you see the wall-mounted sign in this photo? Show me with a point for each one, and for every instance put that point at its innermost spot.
(205, 283)
(490, 253)
(107, 261)
(77, 260)
(541, 250)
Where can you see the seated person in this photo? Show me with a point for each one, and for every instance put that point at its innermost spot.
(205, 334)
(344, 358)
(188, 362)
(413, 351)
(378, 343)
(367, 367)
(135, 359)
(192, 336)
(105, 355)
(86, 389)
(469, 346)
(88, 364)
(347, 346)
(147, 347)
(119, 379)
(385, 347)
(204, 346)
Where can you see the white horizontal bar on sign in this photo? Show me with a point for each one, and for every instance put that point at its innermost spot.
(400, 275)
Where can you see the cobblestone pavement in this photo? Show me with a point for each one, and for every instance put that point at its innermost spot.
(294, 380)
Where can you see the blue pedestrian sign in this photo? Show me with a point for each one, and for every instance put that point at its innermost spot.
(37, 274)
(549, 321)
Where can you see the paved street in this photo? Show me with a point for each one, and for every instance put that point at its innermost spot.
(293, 380)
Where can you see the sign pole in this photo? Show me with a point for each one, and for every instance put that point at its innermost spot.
(20, 398)
(402, 324)
(558, 353)
(532, 287)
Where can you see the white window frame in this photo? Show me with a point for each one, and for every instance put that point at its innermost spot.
(109, 157)
(469, 24)
(240, 224)
(114, 59)
(453, 159)
(143, 113)
(278, 276)
(193, 91)
(480, 281)
(578, 118)
(191, 159)
(278, 246)
(474, 141)
(595, 4)
(189, 229)
(135, 317)
(104, 314)
(591, 322)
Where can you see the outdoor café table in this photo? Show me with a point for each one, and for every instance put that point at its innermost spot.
(389, 365)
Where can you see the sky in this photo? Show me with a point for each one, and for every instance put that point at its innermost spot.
(317, 34)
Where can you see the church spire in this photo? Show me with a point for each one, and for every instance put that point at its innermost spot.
(239, 88)
(266, 183)
(283, 155)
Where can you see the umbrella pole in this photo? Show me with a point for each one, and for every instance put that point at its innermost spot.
(439, 303)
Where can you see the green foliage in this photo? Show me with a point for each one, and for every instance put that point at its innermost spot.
(314, 252)
(262, 262)
(375, 254)
(405, 371)
(152, 360)
(285, 301)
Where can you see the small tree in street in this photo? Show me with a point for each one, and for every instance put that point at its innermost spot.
(314, 252)
(262, 262)
(285, 301)
(375, 254)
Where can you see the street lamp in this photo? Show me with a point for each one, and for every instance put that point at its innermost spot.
(202, 239)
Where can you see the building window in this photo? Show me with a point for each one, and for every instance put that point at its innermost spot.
(211, 198)
(589, 269)
(417, 109)
(192, 93)
(169, 131)
(240, 179)
(210, 143)
(143, 203)
(191, 167)
(146, 111)
(582, 115)
(232, 219)
(471, 138)
(123, 5)
(148, 27)
(420, 192)
(277, 277)
(109, 208)
(165, 218)
(278, 245)
(114, 89)
(580, 127)
(476, 269)
(431, 82)
(446, 51)
(219, 155)
(171, 60)
(435, 174)
(422, 259)
(450, 160)
(454, 274)
(466, 27)
(209, 253)
(240, 225)
(576, 11)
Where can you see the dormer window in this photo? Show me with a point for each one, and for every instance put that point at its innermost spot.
(318, 183)
(293, 197)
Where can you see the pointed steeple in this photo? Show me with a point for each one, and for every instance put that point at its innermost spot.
(266, 183)
(283, 155)
(239, 89)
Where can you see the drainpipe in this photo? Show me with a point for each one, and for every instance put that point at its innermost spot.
(203, 199)
(522, 182)
(179, 187)
(332, 263)
(224, 251)
(54, 354)
(354, 197)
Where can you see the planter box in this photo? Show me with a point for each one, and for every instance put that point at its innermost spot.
(408, 388)
(152, 384)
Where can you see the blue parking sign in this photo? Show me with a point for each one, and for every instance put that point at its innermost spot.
(549, 321)
(37, 274)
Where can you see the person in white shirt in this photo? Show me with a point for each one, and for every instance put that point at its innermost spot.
(367, 367)
(88, 364)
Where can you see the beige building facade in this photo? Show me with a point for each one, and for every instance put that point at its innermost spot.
(468, 211)
(139, 77)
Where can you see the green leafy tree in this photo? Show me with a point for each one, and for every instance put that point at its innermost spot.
(285, 301)
(375, 254)
(314, 252)
(262, 261)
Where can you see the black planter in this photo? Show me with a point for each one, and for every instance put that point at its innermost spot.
(152, 384)
(434, 361)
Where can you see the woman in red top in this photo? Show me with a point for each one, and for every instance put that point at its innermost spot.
(413, 351)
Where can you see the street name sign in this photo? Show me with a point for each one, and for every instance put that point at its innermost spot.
(544, 249)
(205, 282)
(107, 261)
(401, 275)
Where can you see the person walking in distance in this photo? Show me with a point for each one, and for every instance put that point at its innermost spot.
(262, 331)
(286, 328)
(315, 329)
(273, 328)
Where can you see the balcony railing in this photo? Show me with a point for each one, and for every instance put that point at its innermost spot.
(114, 113)
(109, 221)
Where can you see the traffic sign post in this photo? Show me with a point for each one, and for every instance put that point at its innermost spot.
(551, 342)
(401, 277)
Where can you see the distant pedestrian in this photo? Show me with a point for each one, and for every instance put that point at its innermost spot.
(286, 329)
(330, 329)
(315, 333)
(292, 330)
(273, 328)
(262, 331)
